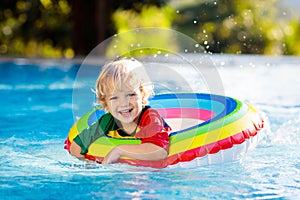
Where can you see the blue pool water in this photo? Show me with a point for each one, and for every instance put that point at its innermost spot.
(37, 111)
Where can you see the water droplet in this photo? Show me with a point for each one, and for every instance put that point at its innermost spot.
(197, 45)
(252, 65)
(177, 11)
(195, 22)
(115, 46)
(7, 30)
(205, 42)
(185, 50)
(158, 52)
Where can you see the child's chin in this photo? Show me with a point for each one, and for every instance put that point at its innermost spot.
(126, 119)
(125, 116)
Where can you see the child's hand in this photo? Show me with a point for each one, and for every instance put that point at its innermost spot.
(112, 157)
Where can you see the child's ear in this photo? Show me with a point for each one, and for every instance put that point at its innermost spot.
(144, 101)
(144, 98)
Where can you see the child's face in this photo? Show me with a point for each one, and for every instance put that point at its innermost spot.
(125, 104)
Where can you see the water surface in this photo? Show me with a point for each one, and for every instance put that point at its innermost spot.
(37, 111)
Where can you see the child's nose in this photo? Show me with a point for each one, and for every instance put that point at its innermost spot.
(124, 101)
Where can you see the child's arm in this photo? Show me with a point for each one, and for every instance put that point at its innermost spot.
(145, 151)
(75, 150)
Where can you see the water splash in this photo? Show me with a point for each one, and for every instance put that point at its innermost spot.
(288, 133)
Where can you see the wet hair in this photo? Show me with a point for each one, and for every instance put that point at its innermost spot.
(119, 72)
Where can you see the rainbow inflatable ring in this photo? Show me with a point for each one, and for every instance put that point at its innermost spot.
(211, 129)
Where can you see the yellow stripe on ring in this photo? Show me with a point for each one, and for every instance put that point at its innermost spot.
(73, 132)
(213, 136)
(100, 150)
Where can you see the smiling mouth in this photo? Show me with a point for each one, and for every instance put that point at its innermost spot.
(127, 111)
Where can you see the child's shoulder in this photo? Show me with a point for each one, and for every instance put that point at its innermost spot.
(148, 110)
(107, 121)
(106, 116)
(149, 113)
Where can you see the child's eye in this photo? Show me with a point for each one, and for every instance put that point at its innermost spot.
(132, 94)
(112, 98)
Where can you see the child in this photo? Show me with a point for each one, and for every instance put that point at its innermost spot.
(123, 89)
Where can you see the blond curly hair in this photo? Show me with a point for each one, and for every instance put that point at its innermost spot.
(119, 72)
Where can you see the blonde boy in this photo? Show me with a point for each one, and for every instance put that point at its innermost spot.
(123, 89)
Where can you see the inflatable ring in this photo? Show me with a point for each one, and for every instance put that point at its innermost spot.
(208, 129)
